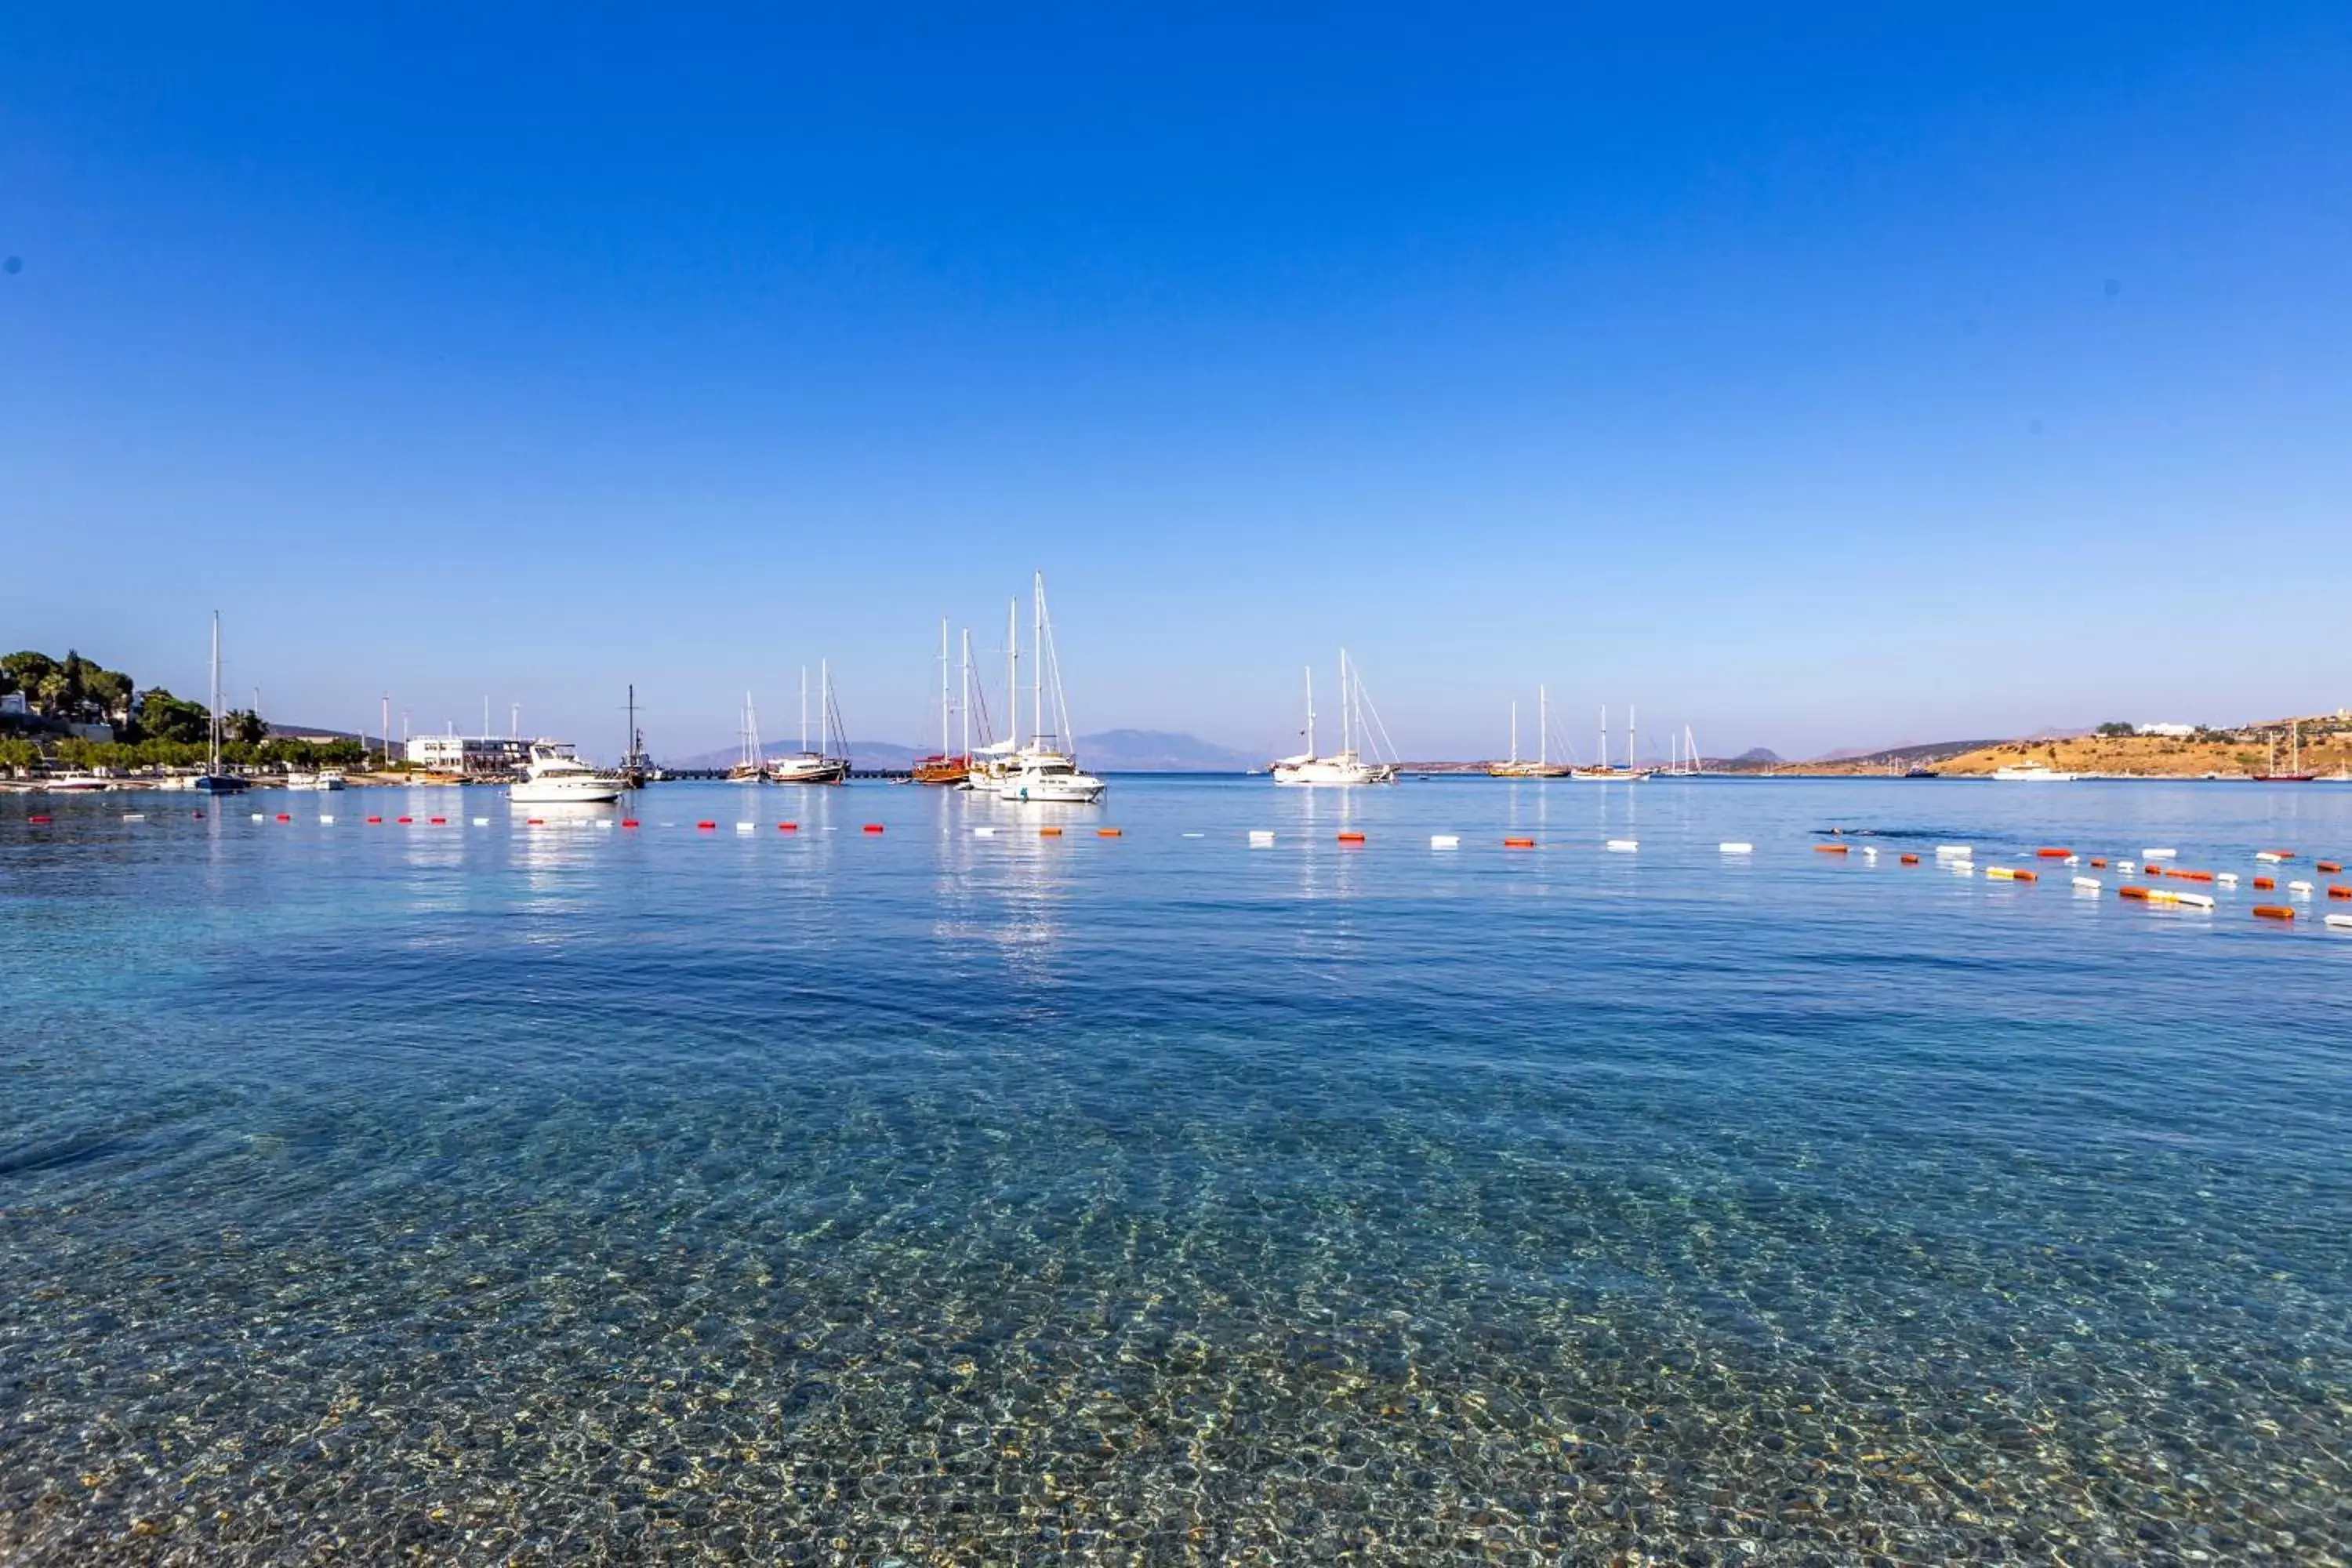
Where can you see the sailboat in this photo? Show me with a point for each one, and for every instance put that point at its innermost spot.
(946, 767)
(1346, 766)
(1041, 770)
(748, 769)
(1630, 772)
(214, 779)
(1543, 767)
(2294, 774)
(818, 767)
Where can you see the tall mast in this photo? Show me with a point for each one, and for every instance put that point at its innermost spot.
(1631, 731)
(1037, 660)
(1310, 712)
(1604, 737)
(1347, 708)
(824, 701)
(1515, 729)
(804, 709)
(1543, 728)
(1012, 670)
(943, 686)
(216, 709)
(967, 695)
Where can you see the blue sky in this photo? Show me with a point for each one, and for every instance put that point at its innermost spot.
(1834, 377)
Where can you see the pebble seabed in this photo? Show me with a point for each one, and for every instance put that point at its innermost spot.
(877, 1329)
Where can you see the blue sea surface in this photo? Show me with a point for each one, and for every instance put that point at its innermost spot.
(579, 1193)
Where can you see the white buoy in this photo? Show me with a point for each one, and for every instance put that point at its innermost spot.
(1868, 853)
(2089, 884)
(1960, 867)
(1955, 852)
(327, 818)
(2339, 922)
(1196, 835)
(1260, 838)
(983, 833)
(257, 816)
(2226, 878)
(141, 817)
(2272, 856)
(605, 823)
(1733, 848)
(2074, 860)
(1624, 846)
(2300, 889)
(1445, 841)
(2159, 854)
(481, 822)
(743, 827)
(2193, 900)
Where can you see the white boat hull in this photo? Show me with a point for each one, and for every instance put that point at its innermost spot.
(561, 791)
(1082, 790)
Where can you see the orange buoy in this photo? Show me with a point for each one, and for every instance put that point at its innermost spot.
(38, 818)
(707, 825)
(2029, 876)
(408, 819)
(1828, 848)
(2098, 863)
(1351, 838)
(2329, 867)
(2054, 853)
(2128, 891)
(375, 820)
(1041, 833)
(1519, 843)
(2266, 884)
(628, 822)
(1107, 833)
(871, 828)
(1910, 860)
(534, 822)
(2273, 912)
(284, 817)
(434, 821)
(2151, 869)
(2338, 890)
(788, 827)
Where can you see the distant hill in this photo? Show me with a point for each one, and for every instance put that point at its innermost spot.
(1757, 756)
(1112, 751)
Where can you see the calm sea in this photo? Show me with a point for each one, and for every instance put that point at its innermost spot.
(582, 1193)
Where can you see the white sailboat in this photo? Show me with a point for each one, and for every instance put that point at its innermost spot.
(824, 766)
(1346, 766)
(1631, 773)
(748, 769)
(1042, 770)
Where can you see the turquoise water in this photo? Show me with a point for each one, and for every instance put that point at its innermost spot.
(580, 1193)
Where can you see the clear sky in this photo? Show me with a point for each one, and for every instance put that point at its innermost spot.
(1812, 376)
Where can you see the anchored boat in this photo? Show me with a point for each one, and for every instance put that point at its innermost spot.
(1346, 766)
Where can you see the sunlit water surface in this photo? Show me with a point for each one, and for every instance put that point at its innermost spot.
(582, 1193)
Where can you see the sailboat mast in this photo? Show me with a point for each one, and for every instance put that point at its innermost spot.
(1012, 670)
(1631, 730)
(1543, 728)
(943, 686)
(1037, 661)
(825, 702)
(1515, 729)
(967, 694)
(1347, 708)
(1604, 737)
(1310, 712)
(217, 708)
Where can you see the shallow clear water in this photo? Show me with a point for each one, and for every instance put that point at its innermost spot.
(575, 1192)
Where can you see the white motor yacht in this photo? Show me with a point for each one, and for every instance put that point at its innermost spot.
(2033, 772)
(74, 783)
(1052, 777)
(325, 778)
(555, 777)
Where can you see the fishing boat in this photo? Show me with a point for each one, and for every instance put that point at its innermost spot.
(2031, 773)
(1543, 767)
(1604, 773)
(554, 776)
(1346, 766)
(214, 779)
(1042, 770)
(944, 766)
(821, 766)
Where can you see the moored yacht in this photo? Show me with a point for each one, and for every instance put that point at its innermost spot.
(214, 780)
(1041, 770)
(554, 776)
(75, 782)
(325, 778)
(1346, 765)
(818, 767)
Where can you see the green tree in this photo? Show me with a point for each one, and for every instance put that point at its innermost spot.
(165, 717)
(24, 672)
(2113, 729)
(245, 726)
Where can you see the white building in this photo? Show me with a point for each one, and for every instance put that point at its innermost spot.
(471, 756)
(2170, 732)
